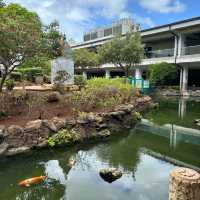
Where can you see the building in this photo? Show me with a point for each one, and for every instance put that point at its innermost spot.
(119, 27)
(177, 43)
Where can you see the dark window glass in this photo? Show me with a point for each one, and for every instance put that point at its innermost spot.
(117, 29)
(87, 37)
(108, 32)
(93, 36)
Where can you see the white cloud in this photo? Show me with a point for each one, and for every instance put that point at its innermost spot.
(77, 16)
(163, 6)
(143, 21)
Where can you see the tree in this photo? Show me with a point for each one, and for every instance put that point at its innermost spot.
(2, 4)
(162, 73)
(84, 58)
(53, 40)
(20, 37)
(124, 52)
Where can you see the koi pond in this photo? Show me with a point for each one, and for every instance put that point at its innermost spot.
(167, 137)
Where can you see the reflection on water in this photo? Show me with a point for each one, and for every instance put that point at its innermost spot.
(146, 155)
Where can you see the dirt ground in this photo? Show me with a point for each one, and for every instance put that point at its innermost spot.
(20, 112)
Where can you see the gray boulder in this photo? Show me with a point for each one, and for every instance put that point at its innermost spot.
(110, 175)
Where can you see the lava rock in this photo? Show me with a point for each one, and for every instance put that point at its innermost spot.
(3, 148)
(110, 175)
(16, 151)
(197, 121)
(53, 97)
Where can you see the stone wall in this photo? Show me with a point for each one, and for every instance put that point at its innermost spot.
(15, 139)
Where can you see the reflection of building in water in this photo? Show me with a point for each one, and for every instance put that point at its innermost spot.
(182, 109)
(173, 137)
(175, 133)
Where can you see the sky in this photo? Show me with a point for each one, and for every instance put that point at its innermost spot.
(79, 16)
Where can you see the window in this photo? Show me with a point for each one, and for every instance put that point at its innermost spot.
(93, 35)
(87, 37)
(117, 30)
(108, 32)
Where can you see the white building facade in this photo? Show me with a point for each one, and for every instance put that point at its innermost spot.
(177, 43)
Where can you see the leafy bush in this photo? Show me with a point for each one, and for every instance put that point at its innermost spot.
(137, 116)
(61, 77)
(10, 84)
(40, 62)
(16, 76)
(79, 80)
(101, 92)
(162, 73)
(30, 73)
(47, 79)
(63, 136)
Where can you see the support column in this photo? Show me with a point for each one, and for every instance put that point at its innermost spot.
(138, 73)
(184, 84)
(84, 75)
(175, 46)
(181, 79)
(107, 73)
(181, 45)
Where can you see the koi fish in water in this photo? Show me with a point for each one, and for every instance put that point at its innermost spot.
(31, 181)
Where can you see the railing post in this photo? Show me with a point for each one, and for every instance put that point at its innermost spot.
(184, 184)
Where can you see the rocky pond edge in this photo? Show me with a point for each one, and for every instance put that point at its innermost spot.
(39, 134)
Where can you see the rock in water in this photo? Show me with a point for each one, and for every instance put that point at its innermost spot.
(110, 175)
(197, 121)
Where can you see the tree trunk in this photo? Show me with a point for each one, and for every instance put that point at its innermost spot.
(184, 184)
(2, 82)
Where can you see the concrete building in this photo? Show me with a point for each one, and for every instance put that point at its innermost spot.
(119, 27)
(177, 43)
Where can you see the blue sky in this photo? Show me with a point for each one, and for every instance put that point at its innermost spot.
(77, 16)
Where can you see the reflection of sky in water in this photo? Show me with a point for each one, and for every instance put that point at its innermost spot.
(151, 174)
(54, 171)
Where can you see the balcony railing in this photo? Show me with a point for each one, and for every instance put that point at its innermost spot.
(159, 53)
(190, 50)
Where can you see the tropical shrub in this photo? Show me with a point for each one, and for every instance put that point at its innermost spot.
(30, 73)
(63, 136)
(16, 76)
(47, 79)
(79, 80)
(102, 93)
(162, 74)
(40, 62)
(59, 80)
(10, 84)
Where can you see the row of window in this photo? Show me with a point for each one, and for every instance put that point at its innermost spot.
(106, 32)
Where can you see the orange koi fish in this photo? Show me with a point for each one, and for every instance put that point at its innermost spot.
(30, 181)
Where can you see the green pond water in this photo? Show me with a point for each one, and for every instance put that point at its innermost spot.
(166, 137)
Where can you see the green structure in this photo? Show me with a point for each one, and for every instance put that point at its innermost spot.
(140, 83)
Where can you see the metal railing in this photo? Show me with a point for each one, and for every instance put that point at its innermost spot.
(190, 50)
(159, 53)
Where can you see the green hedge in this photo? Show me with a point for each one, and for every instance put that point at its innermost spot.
(30, 73)
(16, 76)
(79, 80)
